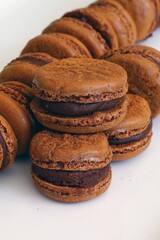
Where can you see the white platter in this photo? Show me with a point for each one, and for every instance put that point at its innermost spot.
(129, 210)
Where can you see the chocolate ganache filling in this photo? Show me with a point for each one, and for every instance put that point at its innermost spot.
(77, 109)
(4, 148)
(138, 137)
(77, 179)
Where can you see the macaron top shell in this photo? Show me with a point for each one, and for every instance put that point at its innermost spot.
(23, 68)
(19, 71)
(70, 152)
(137, 119)
(78, 80)
(57, 45)
(37, 58)
(139, 50)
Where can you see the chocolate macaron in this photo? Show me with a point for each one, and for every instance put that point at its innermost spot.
(71, 168)
(99, 23)
(143, 68)
(145, 14)
(8, 144)
(120, 20)
(57, 45)
(133, 135)
(16, 110)
(80, 95)
(83, 31)
(23, 68)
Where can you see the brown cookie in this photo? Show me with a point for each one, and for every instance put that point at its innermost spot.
(133, 135)
(80, 95)
(143, 67)
(83, 31)
(70, 168)
(23, 68)
(57, 45)
(120, 20)
(145, 14)
(8, 144)
(98, 22)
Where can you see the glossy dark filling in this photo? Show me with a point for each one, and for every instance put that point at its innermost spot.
(77, 179)
(35, 61)
(138, 137)
(4, 148)
(77, 109)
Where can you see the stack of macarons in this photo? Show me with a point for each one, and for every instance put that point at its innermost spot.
(85, 108)
(77, 100)
(78, 71)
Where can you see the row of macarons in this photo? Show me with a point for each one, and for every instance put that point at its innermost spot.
(91, 31)
(74, 165)
(125, 120)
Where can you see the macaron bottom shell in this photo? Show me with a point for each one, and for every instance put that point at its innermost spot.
(71, 195)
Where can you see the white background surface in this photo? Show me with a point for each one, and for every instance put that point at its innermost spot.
(129, 210)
